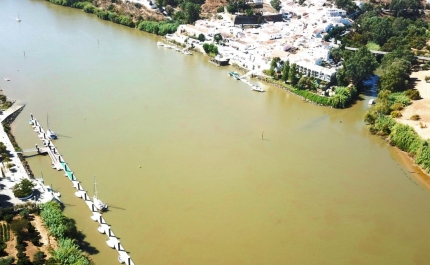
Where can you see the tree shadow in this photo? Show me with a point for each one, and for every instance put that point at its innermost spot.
(85, 246)
(4, 201)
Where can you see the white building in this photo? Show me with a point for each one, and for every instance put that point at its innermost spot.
(335, 12)
(319, 53)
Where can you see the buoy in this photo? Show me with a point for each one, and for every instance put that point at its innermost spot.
(140, 166)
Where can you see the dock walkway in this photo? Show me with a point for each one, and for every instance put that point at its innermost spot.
(59, 163)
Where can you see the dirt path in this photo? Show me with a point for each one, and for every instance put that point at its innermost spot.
(48, 242)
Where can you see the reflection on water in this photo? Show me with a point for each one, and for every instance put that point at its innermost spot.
(176, 147)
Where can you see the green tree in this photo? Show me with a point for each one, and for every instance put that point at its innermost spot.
(217, 37)
(405, 7)
(39, 258)
(201, 37)
(249, 12)
(382, 106)
(23, 189)
(285, 71)
(399, 53)
(360, 65)
(276, 4)
(7, 261)
(347, 5)
(396, 75)
(292, 75)
(191, 12)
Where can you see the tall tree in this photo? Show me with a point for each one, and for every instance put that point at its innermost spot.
(405, 7)
(292, 75)
(396, 75)
(191, 12)
(360, 65)
(285, 71)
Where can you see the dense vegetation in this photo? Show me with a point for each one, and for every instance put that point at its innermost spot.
(210, 49)
(402, 136)
(307, 86)
(17, 220)
(156, 27)
(65, 231)
(397, 28)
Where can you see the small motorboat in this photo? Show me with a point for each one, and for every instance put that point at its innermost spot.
(49, 189)
(159, 43)
(372, 101)
(6, 79)
(187, 53)
(257, 88)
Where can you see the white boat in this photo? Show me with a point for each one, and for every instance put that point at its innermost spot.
(97, 202)
(51, 134)
(18, 19)
(49, 189)
(372, 101)
(187, 53)
(258, 89)
(168, 46)
(6, 79)
(159, 43)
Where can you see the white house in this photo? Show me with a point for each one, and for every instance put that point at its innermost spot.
(319, 53)
(335, 12)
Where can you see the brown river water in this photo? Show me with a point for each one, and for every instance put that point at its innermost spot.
(176, 147)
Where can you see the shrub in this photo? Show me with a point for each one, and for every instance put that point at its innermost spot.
(413, 94)
(396, 106)
(220, 9)
(427, 78)
(415, 117)
(7, 261)
(396, 114)
(370, 118)
(399, 97)
(89, 8)
(406, 139)
(423, 155)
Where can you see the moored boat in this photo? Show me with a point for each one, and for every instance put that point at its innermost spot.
(159, 43)
(97, 202)
(257, 88)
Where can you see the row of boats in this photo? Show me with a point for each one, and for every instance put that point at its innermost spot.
(236, 76)
(184, 51)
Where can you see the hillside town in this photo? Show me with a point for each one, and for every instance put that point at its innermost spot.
(295, 34)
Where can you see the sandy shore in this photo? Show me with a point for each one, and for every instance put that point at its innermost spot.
(420, 107)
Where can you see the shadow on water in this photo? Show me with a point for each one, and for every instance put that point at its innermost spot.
(62, 135)
(115, 207)
(85, 246)
(371, 88)
(30, 156)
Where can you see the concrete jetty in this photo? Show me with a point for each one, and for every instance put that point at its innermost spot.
(59, 163)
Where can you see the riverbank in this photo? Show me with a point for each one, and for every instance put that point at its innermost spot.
(396, 118)
(107, 13)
